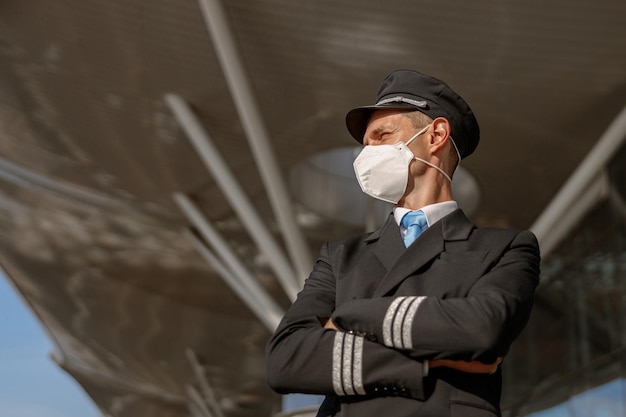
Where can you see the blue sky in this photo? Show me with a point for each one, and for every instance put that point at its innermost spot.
(31, 384)
(608, 400)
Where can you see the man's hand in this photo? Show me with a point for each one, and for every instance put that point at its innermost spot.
(330, 325)
(473, 367)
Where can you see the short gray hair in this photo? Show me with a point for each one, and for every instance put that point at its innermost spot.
(419, 120)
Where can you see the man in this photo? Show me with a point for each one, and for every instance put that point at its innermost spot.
(389, 327)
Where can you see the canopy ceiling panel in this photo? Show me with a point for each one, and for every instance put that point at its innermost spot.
(90, 155)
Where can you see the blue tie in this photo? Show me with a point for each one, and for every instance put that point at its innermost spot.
(415, 223)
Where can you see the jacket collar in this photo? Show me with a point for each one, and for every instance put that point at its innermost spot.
(401, 262)
(455, 226)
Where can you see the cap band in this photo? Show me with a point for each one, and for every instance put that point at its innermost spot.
(400, 99)
(407, 89)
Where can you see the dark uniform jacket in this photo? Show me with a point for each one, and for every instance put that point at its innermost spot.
(457, 292)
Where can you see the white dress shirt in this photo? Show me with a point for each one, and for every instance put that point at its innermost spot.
(433, 212)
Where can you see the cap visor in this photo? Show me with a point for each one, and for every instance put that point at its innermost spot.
(357, 118)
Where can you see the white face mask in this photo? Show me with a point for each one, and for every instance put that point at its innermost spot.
(383, 170)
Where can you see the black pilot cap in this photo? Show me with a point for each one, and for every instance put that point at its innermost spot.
(412, 90)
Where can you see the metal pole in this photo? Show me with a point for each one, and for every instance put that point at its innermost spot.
(255, 298)
(209, 396)
(265, 307)
(221, 34)
(214, 162)
(596, 190)
(599, 156)
(198, 401)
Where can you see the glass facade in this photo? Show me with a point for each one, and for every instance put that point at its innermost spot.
(571, 359)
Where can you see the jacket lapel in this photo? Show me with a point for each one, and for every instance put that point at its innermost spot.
(403, 262)
(388, 243)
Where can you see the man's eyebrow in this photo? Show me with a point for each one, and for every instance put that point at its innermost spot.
(385, 127)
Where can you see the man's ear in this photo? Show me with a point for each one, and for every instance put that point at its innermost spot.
(441, 133)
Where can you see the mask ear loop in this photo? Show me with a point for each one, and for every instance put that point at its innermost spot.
(434, 166)
(428, 163)
(458, 154)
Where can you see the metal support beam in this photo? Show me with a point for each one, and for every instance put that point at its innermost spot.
(198, 401)
(251, 220)
(208, 394)
(234, 273)
(252, 297)
(596, 190)
(194, 410)
(258, 138)
(577, 184)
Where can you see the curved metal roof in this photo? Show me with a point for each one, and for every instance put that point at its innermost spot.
(91, 156)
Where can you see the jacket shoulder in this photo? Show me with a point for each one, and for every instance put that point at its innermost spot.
(503, 233)
(348, 243)
(505, 237)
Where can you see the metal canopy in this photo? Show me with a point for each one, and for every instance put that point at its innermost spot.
(91, 154)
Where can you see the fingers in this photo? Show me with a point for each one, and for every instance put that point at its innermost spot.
(472, 367)
(330, 325)
(493, 368)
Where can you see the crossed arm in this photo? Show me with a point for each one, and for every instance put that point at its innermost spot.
(352, 354)
(471, 367)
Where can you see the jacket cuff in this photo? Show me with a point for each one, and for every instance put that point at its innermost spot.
(361, 367)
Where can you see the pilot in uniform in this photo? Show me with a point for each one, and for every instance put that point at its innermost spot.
(413, 319)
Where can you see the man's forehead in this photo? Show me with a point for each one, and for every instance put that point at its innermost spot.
(390, 117)
(389, 112)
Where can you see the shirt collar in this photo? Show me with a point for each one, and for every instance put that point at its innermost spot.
(433, 212)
